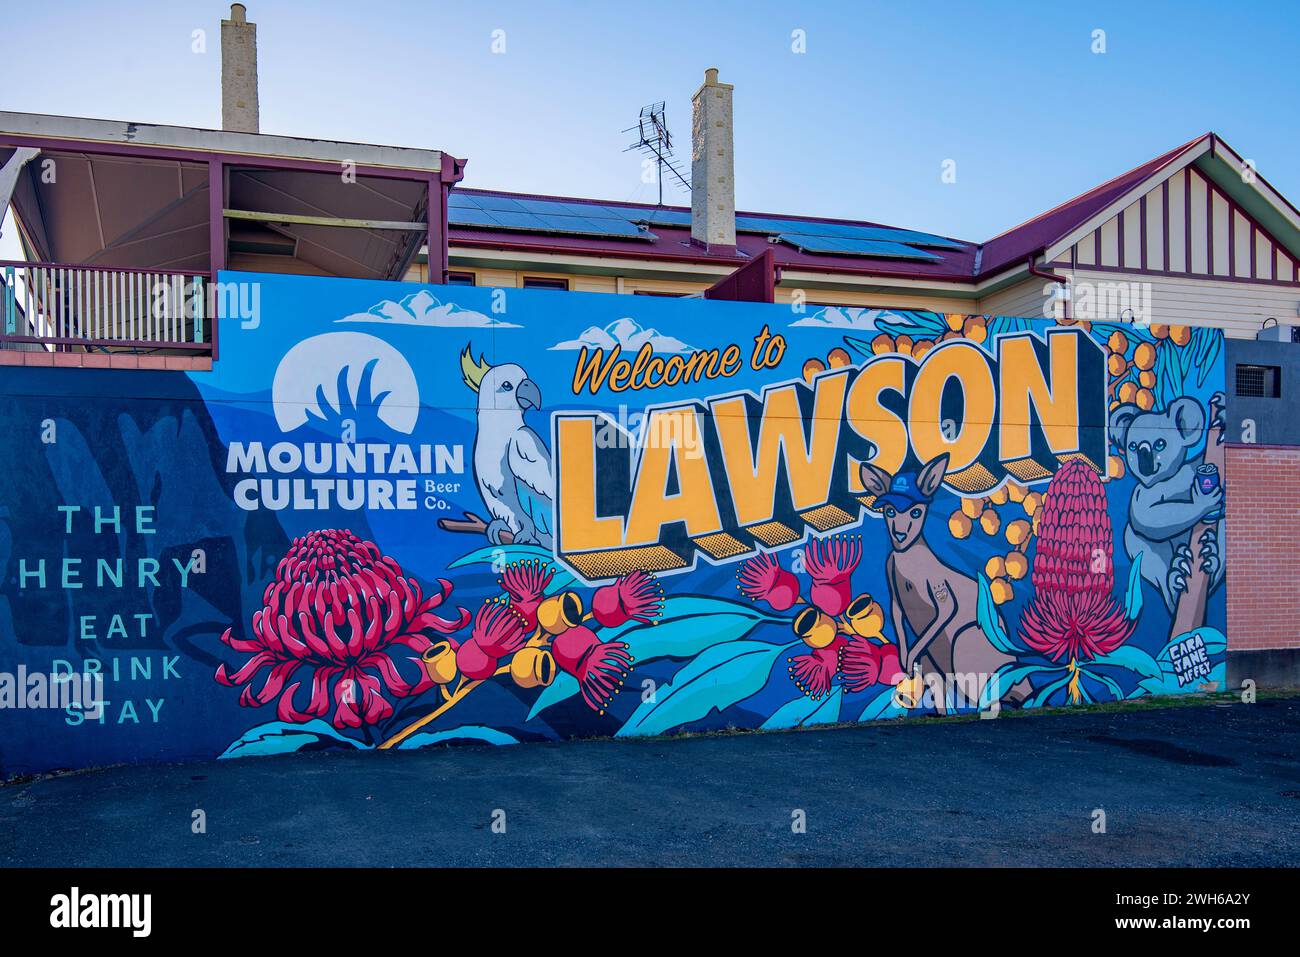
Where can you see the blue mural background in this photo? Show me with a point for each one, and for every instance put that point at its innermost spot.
(384, 360)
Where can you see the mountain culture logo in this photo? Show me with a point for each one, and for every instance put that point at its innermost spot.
(358, 390)
(309, 382)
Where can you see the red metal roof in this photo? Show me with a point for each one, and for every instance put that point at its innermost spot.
(672, 243)
(1022, 241)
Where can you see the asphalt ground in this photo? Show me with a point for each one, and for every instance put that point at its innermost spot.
(1208, 784)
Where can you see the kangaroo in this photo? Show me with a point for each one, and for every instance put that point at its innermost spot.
(933, 598)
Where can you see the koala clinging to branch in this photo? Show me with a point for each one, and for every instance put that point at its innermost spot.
(1167, 504)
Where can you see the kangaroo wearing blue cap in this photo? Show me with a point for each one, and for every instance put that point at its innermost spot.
(946, 648)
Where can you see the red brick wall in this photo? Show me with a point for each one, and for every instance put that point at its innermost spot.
(1263, 532)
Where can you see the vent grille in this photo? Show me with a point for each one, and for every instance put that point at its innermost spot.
(1259, 382)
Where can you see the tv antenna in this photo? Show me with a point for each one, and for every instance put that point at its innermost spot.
(654, 140)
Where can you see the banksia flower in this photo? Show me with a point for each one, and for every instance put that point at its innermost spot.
(525, 582)
(814, 672)
(1073, 614)
(831, 563)
(634, 597)
(599, 666)
(762, 577)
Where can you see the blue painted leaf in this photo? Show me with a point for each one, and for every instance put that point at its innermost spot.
(1006, 326)
(466, 732)
(1045, 693)
(1006, 678)
(986, 613)
(281, 737)
(510, 553)
(716, 679)
(563, 687)
(1110, 683)
(918, 325)
(1169, 374)
(882, 706)
(1207, 353)
(1166, 682)
(803, 712)
(1130, 658)
(492, 555)
(1133, 597)
(689, 624)
(1215, 642)
(860, 346)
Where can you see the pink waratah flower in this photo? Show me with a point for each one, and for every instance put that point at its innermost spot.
(634, 597)
(814, 673)
(525, 582)
(831, 563)
(762, 577)
(1073, 615)
(336, 607)
(866, 663)
(599, 666)
(498, 631)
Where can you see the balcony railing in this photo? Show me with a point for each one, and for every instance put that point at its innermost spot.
(96, 308)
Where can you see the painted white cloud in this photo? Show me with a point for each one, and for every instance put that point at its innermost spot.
(848, 317)
(627, 333)
(424, 309)
(314, 364)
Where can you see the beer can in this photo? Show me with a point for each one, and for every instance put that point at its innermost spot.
(1207, 480)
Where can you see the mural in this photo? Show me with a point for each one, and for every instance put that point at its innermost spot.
(396, 516)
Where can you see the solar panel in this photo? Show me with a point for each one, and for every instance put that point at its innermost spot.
(540, 215)
(613, 220)
(662, 217)
(772, 227)
(470, 217)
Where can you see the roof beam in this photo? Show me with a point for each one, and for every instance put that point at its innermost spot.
(295, 219)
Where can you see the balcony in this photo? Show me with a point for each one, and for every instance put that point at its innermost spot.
(126, 228)
(98, 316)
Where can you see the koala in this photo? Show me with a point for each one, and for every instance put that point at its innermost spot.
(1167, 504)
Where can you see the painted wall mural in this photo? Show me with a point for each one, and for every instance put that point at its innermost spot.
(396, 516)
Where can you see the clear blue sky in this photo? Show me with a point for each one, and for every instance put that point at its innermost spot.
(858, 126)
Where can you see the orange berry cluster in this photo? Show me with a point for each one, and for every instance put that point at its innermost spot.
(1001, 570)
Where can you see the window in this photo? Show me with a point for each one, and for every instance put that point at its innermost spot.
(545, 282)
(460, 279)
(1259, 381)
(666, 295)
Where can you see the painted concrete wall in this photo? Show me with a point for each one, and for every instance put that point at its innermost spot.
(393, 516)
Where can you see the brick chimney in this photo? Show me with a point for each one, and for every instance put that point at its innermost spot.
(239, 72)
(713, 178)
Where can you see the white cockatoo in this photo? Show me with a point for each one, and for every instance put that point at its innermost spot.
(512, 464)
